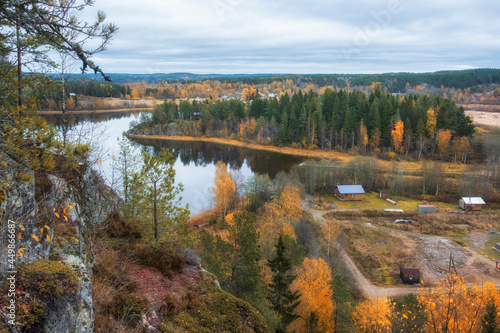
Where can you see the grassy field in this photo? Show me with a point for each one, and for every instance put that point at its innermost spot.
(379, 253)
(489, 251)
(371, 201)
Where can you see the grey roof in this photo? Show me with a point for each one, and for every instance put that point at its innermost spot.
(349, 189)
(473, 200)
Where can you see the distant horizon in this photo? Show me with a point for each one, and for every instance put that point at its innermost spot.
(280, 73)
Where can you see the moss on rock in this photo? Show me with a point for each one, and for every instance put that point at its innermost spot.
(213, 310)
(48, 278)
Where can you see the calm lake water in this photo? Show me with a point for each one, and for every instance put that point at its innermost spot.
(194, 161)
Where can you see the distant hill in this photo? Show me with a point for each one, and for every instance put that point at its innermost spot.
(394, 82)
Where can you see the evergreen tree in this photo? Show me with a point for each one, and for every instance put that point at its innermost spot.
(282, 299)
(158, 200)
(344, 305)
(489, 319)
(246, 276)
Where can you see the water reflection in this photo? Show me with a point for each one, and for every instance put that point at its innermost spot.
(202, 154)
(195, 161)
(73, 119)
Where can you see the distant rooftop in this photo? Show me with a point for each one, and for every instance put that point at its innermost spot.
(350, 189)
(473, 200)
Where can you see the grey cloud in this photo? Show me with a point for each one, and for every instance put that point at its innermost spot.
(237, 36)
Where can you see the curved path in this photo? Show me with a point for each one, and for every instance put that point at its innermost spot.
(363, 283)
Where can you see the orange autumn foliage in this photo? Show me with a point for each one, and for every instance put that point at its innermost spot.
(443, 138)
(373, 316)
(430, 125)
(313, 283)
(454, 307)
(224, 190)
(290, 202)
(270, 223)
(363, 133)
(277, 218)
(397, 136)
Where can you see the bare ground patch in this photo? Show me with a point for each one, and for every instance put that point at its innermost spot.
(485, 118)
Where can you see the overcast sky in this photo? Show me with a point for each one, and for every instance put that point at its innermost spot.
(314, 36)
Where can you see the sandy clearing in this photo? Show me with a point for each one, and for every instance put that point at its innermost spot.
(483, 118)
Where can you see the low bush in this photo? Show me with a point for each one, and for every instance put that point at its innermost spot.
(165, 260)
(120, 227)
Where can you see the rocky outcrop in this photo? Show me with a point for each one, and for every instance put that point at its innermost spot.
(49, 236)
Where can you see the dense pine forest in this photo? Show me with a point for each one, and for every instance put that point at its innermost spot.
(334, 120)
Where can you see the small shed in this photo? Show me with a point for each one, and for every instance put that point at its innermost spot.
(426, 208)
(497, 246)
(349, 192)
(471, 203)
(382, 193)
(497, 265)
(409, 275)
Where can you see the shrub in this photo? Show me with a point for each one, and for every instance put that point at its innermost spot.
(120, 227)
(171, 305)
(165, 260)
(114, 296)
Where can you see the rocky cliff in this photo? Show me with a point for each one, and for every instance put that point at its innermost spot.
(47, 253)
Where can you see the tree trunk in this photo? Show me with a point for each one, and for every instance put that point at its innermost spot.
(155, 219)
(19, 68)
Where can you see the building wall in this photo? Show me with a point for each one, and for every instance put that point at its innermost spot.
(473, 207)
(354, 197)
(464, 206)
(349, 196)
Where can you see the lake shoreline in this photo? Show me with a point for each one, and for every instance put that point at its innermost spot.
(74, 112)
(330, 155)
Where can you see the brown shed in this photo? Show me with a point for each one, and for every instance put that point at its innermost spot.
(471, 203)
(409, 275)
(349, 192)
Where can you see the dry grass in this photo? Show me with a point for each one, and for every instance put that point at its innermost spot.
(379, 253)
(202, 218)
(485, 118)
(489, 250)
(440, 224)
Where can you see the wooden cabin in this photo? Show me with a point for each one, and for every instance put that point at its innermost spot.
(409, 275)
(349, 192)
(471, 203)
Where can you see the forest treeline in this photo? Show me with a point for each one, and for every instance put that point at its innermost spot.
(479, 86)
(339, 120)
(396, 82)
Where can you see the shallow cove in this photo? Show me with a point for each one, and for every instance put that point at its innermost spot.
(196, 160)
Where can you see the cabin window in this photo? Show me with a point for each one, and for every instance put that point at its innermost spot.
(353, 195)
(410, 277)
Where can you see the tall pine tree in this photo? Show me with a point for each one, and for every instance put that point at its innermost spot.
(489, 319)
(282, 299)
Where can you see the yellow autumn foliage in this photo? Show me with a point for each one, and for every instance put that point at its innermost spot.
(313, 283)
(373, 316)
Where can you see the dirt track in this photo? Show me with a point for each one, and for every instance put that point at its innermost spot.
(434, 259)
